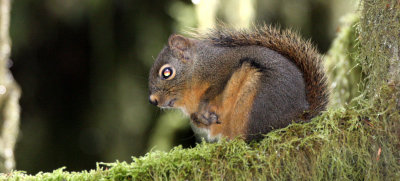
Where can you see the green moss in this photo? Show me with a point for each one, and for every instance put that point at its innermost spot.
(343, 68)
(379, 44)
(341, 144)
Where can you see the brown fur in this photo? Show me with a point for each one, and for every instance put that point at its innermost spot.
(241, 83)
(192, 96)
(288, 44)
(234, 105)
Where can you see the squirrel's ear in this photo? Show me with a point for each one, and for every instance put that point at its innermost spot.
(179, 42)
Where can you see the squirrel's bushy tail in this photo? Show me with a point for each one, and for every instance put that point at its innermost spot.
(288, 44)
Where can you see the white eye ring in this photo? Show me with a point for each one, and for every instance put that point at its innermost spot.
(167, 72)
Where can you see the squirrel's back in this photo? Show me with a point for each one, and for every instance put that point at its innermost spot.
(290, 45)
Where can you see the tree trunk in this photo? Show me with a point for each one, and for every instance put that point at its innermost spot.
(9, 94)
(379, 38)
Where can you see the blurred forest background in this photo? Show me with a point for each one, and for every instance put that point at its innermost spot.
(83, 64)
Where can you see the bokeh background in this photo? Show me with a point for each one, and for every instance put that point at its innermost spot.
(83, 64)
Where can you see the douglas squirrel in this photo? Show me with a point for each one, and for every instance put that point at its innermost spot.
(239, 83)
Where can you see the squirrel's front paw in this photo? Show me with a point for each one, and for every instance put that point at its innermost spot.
(207, 118)
(210, 117)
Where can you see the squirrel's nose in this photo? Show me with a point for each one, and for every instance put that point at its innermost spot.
(153, 100)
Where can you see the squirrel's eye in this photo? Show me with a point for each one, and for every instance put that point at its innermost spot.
(167, 72)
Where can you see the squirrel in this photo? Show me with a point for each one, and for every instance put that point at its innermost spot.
(239, 83)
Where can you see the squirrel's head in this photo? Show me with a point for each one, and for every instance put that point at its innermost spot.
(171, 72)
